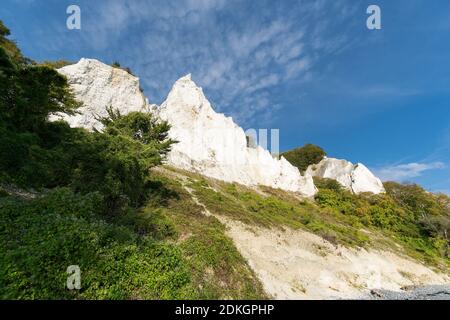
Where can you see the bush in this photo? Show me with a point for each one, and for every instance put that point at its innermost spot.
(303, 157)
(325, 183)
(58, 64)
(117, 65)
(419, 219)
(41, 238)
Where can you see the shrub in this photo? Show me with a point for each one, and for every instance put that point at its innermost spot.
(417, 218)
(39, 154)
(117, 65)
(303, 157)
(57, 64)
(41, 238)
(325, 183)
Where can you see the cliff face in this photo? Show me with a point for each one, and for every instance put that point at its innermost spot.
(213, 145)
(100, 86)
(209, 143)
(353, 177)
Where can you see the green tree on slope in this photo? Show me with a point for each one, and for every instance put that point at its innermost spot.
(304, 156)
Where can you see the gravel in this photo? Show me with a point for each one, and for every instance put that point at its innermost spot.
(432, 292)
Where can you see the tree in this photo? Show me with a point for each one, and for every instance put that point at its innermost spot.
(10, 46)
(414, 198)
(304, 156)
(438, 226)
(29, 92)
(143, 127)
(41, 154)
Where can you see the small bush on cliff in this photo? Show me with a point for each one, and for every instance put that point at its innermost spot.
(304, 156)
(117, 65)
(325, 183)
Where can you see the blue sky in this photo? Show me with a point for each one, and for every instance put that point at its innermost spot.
(310, 68)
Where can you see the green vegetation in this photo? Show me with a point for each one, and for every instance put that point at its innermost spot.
(9, 48)
(58, 64)
(41, 238)
(216, 267)
(304, 156)
(418, 220)
(277, 209)
(166, 250)
(117, 65)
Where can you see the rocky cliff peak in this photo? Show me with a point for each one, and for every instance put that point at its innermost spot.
(212, 144)
(187, 96)
(356, 178)
(99, 86)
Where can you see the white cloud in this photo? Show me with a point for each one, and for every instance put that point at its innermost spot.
(237, 51)
(403, 172)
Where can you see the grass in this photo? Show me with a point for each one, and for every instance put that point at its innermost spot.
(272, 211)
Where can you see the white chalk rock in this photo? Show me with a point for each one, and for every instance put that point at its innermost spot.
(100, 86)
(355, 178)
(209, 143)
(213, 145)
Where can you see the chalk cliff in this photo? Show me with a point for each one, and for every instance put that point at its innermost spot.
(209, 143)
(212, 144)
(99, 86)
(354, 177)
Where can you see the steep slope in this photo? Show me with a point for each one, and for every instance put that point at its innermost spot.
(353, 177)
(289, 246)
(166, 233)
(303, 265)
(167, 249)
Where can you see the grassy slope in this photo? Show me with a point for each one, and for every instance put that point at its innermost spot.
(216, 267)
(169, 249)
(339, 217)
(166, 250)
